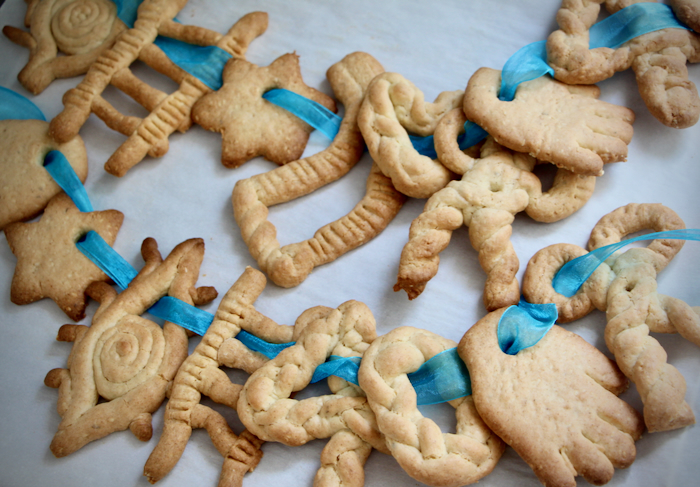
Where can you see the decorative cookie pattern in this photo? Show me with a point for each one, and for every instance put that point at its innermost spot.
(126, 359)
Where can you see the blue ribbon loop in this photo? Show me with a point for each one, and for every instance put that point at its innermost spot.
(523, 325)
(14, 106)
(63, 173)
(569, 279)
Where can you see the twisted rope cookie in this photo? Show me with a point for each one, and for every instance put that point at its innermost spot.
(124, 358)
(422, 450)
(200, 374)
(625, 288)
(563, 124)
(288, 266)
(555, 403)
(492, 190)
(266, 409)
(82, 29)
(393, 106)
(658, 60)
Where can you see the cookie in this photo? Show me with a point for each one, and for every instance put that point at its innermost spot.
(123, 358)
(49, 264)
(492, 190)
(554, 122)
(625, 287)
(289, 265)
(200, 374)
(81, 30)
(416, 442)
(657, 58)
(392, 108)
(554, 403)
(251, 126)
(26, 186)
(688, 12)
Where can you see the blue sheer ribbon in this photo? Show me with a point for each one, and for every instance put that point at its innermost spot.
(63, 173)
(311, 112)
(569, 279)
(14, 106)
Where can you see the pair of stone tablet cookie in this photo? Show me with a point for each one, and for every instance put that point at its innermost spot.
(658, 58)
(625, 288)
(123, 358)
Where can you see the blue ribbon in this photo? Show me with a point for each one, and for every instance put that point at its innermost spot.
(523, 325)
(311, 112)
(14, 106)
(63, 173)
(569, 279)
(270, 350)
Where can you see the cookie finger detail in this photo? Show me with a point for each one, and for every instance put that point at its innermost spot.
(422, 450)
(392, 107)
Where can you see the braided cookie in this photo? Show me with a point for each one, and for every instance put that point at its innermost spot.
(422, 450)
(554, 122)
(555, 403)
(266, 409)
(393, 107)
(81, 29)
(288, 266)
(625, 288)
(251, 126)
(492, 190)
(658, 60)
(125, 359)
(200, 374)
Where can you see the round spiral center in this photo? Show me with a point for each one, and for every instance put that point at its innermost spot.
(79, 26)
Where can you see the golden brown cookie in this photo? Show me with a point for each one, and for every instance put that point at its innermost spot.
(493, 189)
(416, 442)
(658, 60)
(555, 403)
(625, 287)
(251, 126)
(49, 264)
(392, 108)
(123, 358)
(289, 265)
(688, 12)
(26, 186)
(554, 122)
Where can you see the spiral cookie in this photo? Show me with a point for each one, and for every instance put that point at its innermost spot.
(266, 409)
(392, 107)
(492, 190)
(81, 29)
(127, 360)
(625, 288)
(422, 450)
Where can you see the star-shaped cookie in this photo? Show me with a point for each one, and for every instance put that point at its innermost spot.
(49, 264)
(250, 125)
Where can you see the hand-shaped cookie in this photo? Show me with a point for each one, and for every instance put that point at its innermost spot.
(251, 126)
(123, 358)
(422, 450)
(393, 107)
(289, 265)
(657, 58)
(267, 410)
(492, 190)
(555, 403)
(625, 288)
(554, 122)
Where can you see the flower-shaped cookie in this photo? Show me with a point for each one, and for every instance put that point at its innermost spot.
(251, 126)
